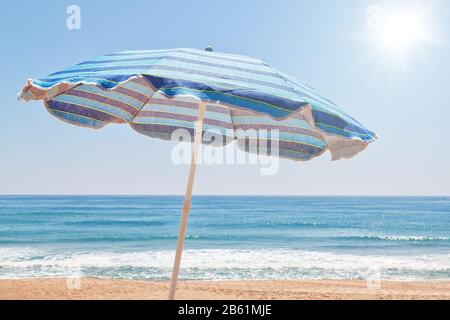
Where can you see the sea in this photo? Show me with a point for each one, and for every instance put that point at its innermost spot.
(228, 238)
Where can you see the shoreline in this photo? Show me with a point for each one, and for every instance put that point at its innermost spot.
(112, 289)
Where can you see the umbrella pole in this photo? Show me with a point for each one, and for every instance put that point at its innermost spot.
(187, 199)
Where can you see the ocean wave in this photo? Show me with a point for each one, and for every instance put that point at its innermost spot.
(231, 264)
(33, 237)
(298, 224)
(124, 223)
(399, 238)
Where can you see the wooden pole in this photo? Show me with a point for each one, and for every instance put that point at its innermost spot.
(187, 199)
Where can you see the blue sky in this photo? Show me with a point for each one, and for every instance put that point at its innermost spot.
(327, 44)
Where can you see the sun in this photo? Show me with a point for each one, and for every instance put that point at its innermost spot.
(401, 32)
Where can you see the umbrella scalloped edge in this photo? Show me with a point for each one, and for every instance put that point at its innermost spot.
(340, 147)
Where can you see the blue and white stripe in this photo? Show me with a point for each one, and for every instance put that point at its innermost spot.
(105, 90)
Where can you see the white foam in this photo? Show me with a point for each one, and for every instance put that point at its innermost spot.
(222, 264)
(410, 238)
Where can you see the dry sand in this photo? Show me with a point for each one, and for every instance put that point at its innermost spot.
(49, 289)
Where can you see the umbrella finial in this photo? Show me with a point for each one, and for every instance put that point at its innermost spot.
(209, 49)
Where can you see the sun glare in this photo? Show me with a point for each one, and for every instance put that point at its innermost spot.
(402, 32)
(398, 31)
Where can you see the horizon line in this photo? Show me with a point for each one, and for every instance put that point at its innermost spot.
(216, 195)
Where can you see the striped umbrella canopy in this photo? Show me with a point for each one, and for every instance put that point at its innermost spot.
(159, 91)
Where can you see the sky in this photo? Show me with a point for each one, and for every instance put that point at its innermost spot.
(393, 76)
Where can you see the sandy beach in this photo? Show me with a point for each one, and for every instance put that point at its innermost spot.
(99, 289)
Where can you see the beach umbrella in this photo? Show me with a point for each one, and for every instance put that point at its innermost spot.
(158, 92)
